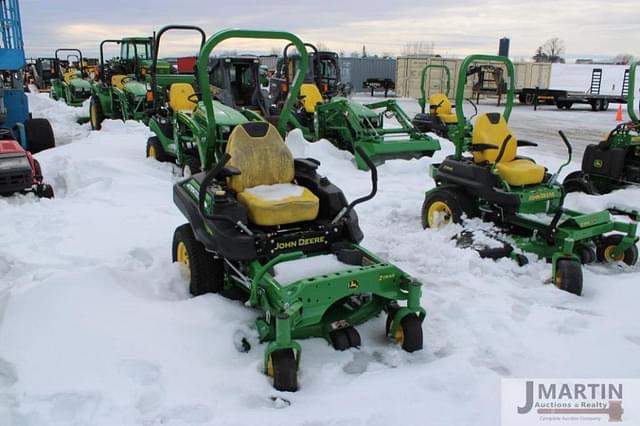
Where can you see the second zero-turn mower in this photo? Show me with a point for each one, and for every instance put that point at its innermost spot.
(613, 163)
(348, 124)
(123, 92)
(257, 215)
(71, 82)
(520, 196)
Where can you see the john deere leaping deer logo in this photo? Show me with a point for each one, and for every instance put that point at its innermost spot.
(597, 164)
(353, 284)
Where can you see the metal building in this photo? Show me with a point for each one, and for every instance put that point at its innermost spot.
(357, 70)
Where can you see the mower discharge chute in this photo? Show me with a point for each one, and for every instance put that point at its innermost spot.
(123, 91)
(613, 163)
(514, 192)
(72, 83)
(348, 124)
(256, 215)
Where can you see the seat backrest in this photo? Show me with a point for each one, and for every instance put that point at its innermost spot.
(442, 100)
(311, 96)
(258, 151)
(179, 94)
(492, 128)
(118, 81)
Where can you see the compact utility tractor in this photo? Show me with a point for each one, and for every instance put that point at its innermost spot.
(179, 117)
(19, 171)
(72, 82)
(123, 91)
(520, 196)
(613, 163)
(257, 217)
(348, 124)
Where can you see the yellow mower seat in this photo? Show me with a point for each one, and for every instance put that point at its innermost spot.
(265, 183)
(118, 81)
(445, 110)
(311, 96)
(179, 94)
(492, 129)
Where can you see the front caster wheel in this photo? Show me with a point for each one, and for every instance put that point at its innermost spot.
(568, 276)
(44, 190)
(283, 369)
(409, 333)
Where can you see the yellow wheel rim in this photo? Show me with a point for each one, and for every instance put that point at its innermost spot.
(610, 257)
(94, 116)
(152, 152)
(558, 280)
(399, 336)
(182, 256)
(270, 367)
(439, 214)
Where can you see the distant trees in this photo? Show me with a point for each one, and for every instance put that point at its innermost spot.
(418, 48)
(551, 51)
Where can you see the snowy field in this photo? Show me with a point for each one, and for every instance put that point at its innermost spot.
(96, 326)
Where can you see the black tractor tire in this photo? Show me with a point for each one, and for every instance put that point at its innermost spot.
(576, 182)
(457, 203)
(411, 327)
(568, 276)
(630, 255)
(354, 337)
(339, 340)
(156, 150)
(190, 167)
(206, 272)
(603, 105)
(96, 115)
(284, 370)
(39, 134)
(44, 190)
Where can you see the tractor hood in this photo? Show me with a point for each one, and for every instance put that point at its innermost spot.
(135, 88)
(80, 84)
(224, 115)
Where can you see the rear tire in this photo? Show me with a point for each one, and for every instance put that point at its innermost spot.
(444, 206)
(39, 134)
(576, 182)
(283, 368)
(96, 115)
(607, 244)
(190, 167)
(569, 276)
(155, 150)
(44, 190)
(206, 273)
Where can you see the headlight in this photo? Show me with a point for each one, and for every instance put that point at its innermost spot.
(14, 163)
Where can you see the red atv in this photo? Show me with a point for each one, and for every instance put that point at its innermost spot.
(20, 172)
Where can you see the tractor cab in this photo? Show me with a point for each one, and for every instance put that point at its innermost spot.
(236, 82)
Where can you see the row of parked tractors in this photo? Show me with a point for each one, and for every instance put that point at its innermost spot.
(223, 125)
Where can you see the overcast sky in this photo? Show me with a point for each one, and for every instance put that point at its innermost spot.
(589, 28)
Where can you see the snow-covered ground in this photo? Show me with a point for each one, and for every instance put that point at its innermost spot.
(96, 326)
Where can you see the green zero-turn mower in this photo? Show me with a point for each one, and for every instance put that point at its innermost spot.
(613, 163)
(493, 182)
(71, 84)
(348, 124)
(179, 117)
(440, 117)
(257, 213)
(123, 92)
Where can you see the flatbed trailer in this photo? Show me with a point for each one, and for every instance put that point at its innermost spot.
(565, 99)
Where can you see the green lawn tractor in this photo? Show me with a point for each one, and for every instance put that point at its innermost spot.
(520, 196)
(613, 163)
(257, 215)
(348, 124)
(440, 117)
(179, 117)
(71, 84)
(123, 92)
